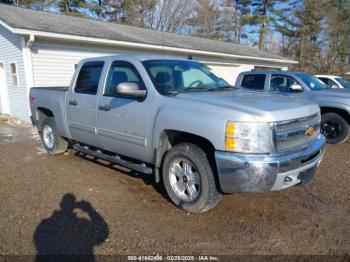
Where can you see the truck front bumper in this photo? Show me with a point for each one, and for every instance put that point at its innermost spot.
(245, 173)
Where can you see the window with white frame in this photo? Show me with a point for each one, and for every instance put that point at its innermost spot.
(14, 74)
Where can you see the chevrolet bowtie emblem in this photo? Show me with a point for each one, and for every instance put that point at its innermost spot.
(309, 131)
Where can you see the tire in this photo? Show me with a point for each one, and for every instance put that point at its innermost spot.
(52, 141)
(197, 191)
(335, 128)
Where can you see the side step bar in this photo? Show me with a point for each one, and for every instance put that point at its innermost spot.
(114, 159)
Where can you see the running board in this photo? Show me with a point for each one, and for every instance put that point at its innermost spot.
(142, 168)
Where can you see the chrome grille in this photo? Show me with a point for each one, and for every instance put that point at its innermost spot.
(292, 134)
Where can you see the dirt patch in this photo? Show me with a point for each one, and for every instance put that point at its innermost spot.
(6, 120)
(43, 200)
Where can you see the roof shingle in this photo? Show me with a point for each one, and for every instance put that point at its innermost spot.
(22, 18)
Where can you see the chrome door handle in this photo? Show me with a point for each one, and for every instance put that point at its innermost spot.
(72, 102)
(104, 108)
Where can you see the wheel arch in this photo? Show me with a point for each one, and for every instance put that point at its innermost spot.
(41, 113)
(170, 137)
(340, 111)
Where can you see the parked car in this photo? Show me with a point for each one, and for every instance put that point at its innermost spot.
(334, 81)
(174, 119)
(334, 103)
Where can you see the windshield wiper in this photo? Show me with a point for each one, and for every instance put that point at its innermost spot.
(221, 88)
(197, 88)
(172, 93)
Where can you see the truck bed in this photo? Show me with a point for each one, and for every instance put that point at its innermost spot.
(53, 88)
(53, 99)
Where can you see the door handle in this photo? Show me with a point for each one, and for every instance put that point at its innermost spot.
(104, 108)
(72, 102)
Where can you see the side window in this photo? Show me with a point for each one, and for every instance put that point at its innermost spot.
(333, 84)
(281, 83)
(14, 74)
(254, 81)
(325, 80)
(89, 77)
(121, 72)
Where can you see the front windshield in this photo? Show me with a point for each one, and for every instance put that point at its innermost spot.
(175, 76)
(312, 82)
(345, 83)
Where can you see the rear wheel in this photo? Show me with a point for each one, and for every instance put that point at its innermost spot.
(188, 178)
(53, 142)
(335, 128)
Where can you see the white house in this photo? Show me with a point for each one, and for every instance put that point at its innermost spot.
(41, 49)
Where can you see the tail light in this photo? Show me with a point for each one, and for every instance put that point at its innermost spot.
(32, 99)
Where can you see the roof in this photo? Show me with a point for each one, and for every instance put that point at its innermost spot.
(27, 21)
(282, 72)
(327, 76)
(140, 57)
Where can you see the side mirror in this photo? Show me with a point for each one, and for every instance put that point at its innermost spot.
(130, 89)
(296, 88)
(334, 86)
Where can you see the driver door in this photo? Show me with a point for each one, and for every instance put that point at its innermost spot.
(124, 124)
(282, 84)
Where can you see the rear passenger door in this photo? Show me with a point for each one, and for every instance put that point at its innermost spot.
(82, 103)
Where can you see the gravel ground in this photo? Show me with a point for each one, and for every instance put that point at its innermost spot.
(71, 203)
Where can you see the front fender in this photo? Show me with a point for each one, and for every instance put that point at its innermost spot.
(206, 124)
(341, 106)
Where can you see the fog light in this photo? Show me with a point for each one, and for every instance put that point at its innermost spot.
(288, 179)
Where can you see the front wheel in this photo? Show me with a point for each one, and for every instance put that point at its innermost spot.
(335, 128)
(188, 178)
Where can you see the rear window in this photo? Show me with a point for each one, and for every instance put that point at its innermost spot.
(254, 81)
(89, 77)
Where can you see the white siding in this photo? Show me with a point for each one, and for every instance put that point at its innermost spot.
(11, 52)
(53, 64)
(230, 72)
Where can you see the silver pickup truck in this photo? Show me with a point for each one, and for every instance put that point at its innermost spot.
(174, 119)
(334, 103)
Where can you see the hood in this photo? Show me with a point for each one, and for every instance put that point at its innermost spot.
(331, 96)
(334, 92)
(263, 107)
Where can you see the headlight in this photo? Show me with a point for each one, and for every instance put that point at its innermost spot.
(248, 137)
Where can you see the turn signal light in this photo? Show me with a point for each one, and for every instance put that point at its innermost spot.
(230, 143)
(31, 99)
(230, 129)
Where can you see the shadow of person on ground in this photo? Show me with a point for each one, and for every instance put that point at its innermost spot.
(66, 237)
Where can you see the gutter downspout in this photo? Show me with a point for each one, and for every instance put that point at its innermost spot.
(30, 41)
(28, 65)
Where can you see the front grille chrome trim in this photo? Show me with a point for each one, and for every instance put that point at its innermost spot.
(291, 134)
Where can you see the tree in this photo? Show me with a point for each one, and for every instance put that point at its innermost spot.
(162, 15)
(338, 40)
(203, 21)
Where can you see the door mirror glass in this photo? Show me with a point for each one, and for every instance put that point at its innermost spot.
(296, 88)
(130, 89)
(334, 86)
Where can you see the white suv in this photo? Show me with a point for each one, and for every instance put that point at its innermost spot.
(334, 81)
